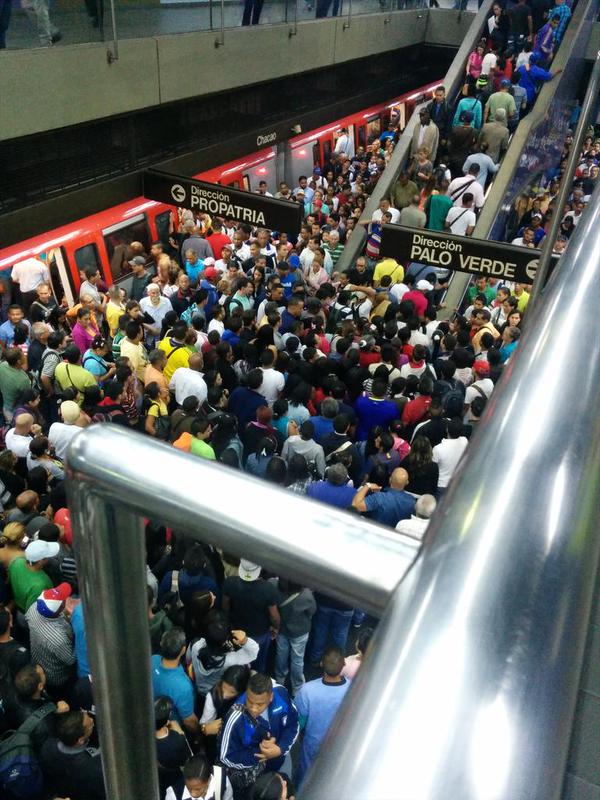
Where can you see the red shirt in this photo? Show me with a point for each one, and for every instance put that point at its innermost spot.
(416, 410)
(217, 242)
(419, 300)
(365, 359)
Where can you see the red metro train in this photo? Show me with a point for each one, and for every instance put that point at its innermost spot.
(92, 240)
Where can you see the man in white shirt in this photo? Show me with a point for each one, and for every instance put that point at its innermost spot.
(448, 453)
(61, 433)
(489, 63)
(19, 438)
(482, 385)
(241, 250)
(188, 381)
(416, 526)
(468, 183)
(385, 207)
(344, 144)
(461, 220)
(527, 239)
(156, 306)
(28, 274)
(273, 380)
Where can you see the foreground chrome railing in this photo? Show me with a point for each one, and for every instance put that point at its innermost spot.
(469, 689)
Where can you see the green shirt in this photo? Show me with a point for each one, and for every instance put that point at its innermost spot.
(500, 100)
(488, 292)
(402, 195)
(437, 208)
(26, 584)
(12, 381)
(72, 375)
(202, 449)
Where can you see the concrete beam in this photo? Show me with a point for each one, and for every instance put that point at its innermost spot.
(49, 89)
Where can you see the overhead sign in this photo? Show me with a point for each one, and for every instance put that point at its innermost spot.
(212, 198)
(474, 256)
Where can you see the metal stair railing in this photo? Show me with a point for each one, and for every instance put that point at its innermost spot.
(469, 688)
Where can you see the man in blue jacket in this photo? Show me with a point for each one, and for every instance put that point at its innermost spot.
(258, 734)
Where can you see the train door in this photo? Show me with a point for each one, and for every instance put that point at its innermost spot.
(117, 239)
(264, 171)
(398, 116)
(304, 157)
(61, 278)
(373, 128)
(337, 135)
(361, 136)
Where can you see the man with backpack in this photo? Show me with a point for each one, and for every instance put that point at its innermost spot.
(71, 767)
(175, 349)
(33, 716)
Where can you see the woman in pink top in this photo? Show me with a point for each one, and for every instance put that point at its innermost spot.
(352, 663)
(474, 63)
(84, 330)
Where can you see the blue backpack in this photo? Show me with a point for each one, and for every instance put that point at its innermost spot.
(20, 773)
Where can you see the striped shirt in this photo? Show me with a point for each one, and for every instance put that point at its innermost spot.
(51, 644)
(335, 253)
(563, 14)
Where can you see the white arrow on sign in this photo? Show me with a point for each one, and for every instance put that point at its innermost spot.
(178, 192)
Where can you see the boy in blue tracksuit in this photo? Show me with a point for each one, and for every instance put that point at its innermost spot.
(258, 733)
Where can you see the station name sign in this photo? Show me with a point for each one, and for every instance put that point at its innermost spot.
(460, 253)
(214, 199)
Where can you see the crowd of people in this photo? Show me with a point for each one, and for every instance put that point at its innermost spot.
(248, 347)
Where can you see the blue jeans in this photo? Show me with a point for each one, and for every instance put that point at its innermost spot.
(264, 642)
(290, 660)
(329, 624)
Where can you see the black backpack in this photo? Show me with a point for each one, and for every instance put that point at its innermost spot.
(20, 773)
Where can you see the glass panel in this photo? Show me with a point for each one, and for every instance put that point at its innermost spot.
(87, 256)
(373, 129)
(117, 245)
(163, 224)
(246, 180)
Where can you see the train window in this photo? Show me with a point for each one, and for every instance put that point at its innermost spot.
(373, 129)
(163, 224)
(117, 239)
(316, 154)
(87, 256)
(246, 182)
(362, 136)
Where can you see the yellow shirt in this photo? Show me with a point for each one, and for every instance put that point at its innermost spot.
(388, 266)
(136, 353)
(177, 356)
(158, 409)
(113, 312)
(522, 301)
(72, 375)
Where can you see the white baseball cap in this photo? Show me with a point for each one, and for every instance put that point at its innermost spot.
(38, 550)
(248, 571)
(424, 286)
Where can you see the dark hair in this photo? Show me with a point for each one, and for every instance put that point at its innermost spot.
(198, 768)
(26, 681)
(254, 378)
(163, 706)
(113, 389)
(260, 684)
(276, 471)
(333, 661)
(268, 786)
(69, 727)
(297, 468)
(217, 635)
(48, 533)
(237, 675)
(171, 643)
(364, 637)
(194, 561)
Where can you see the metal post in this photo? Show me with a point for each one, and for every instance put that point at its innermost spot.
(220, 41)
(112, 576)
(344, 556)
(210, 13)
(347, 24)
(589, 106)
(294, 30)
(112, 55)
(469, 689)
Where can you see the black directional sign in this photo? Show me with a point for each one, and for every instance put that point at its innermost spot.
(475, 256)
(212, 198)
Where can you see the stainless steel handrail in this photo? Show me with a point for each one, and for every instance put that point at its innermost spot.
(343, 555)
(588, 107)
(453, 81)
(469, 689)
